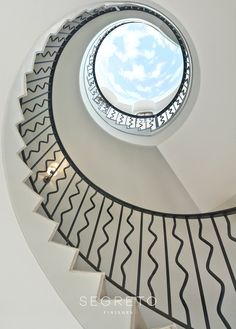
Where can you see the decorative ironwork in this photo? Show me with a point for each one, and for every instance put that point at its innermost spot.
(137, 124)
(155, 245)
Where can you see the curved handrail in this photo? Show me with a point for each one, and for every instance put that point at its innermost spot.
(128, 122)
(79, 192)
(85, 178)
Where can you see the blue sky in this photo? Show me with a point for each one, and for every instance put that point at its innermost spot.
(138, 62)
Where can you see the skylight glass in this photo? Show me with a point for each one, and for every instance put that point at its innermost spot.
(139, 68)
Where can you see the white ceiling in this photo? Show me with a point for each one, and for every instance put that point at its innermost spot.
(202, 152)
(137, 174)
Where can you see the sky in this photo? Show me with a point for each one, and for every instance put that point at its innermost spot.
(138, 62)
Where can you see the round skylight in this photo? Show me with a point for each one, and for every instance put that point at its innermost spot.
(136, 72)
(139, 68)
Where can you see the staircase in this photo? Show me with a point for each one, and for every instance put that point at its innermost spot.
(179, 270)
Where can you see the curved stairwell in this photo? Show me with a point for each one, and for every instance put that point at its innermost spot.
(180, 267)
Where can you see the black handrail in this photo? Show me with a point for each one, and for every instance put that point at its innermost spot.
(128, 122)
(88, 210)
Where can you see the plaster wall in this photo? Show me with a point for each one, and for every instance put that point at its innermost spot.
(27, 299)
(202, 151)
(135, 173)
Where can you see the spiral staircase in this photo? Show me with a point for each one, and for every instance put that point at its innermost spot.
(178, 269)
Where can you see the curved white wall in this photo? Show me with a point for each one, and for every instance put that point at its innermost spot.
(27, 299)
(134, 173)
(202, 152)
(28, 292)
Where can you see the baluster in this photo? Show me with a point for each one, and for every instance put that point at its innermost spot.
(77, 212)
(116, 243)
(140, 256)
(63, 194)
(204, 308)
(96, 226)
(231, 273)
(167, 267)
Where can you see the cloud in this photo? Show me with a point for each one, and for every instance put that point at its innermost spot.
(113, 86)
(123, 96)
(109, 50)
(178, 73)
(131, 42)
(162, 81)
(157, 72)
(123, 57)
(135, 96)
(132, 37)
(136, 59)
(143, 89)
(136, 73)
(159, 83)
(149, 54)
(162, 40)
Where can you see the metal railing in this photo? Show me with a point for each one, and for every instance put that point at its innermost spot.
(115, 117)
(166, 260)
